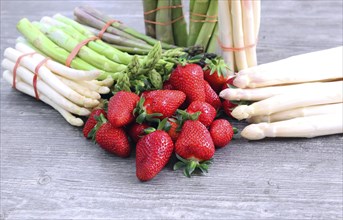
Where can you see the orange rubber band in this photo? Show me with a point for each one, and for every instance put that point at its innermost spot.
(204, 16)
(34, 81)
(76, 50)
(209, 21)
(103, 30)
(162, 7)
(16, 65)
(234, 49)
(166, 23)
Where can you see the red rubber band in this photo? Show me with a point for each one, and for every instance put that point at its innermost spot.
(162, 7)
(16, 65)
(76, 50)
(234, 49)
(103, 30)
(166, 23)
(34, 81)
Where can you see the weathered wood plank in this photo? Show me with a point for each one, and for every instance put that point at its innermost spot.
(49, 171)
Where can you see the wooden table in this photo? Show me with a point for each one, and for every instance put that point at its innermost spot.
(49, 171)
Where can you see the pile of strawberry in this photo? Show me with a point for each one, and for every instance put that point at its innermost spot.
(182, 118)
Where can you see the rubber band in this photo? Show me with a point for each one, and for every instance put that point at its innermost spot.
(234, 49)
(166, 23)
(34, 81)
(76, 50)
(204, 15)
(163, 7)
(204, 21)
(103, 30)
(16, 65)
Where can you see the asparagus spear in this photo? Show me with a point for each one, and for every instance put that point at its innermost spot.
(120, 26)
(249, 32)
(27, 89)
(150, 28)
(164, 31)
(179, 26)
(212, 46)
(200, 8)
(238, 35)
(85, 53)
(131, 50)
(208, 27)
(191, 5)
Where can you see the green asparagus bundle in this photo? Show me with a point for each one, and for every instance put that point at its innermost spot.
(149, 17)
(198, 10)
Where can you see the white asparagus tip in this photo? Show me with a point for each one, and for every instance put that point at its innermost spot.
(104, 90)
(241, 81)
(89, 103)
(75, 121)
(253, 132)
(224, 94)
(242, 112)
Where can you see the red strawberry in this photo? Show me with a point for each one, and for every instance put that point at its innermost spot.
(228, 107)
(211, 96)
(194, 147)
(173, 130)
(216, 73)
(190, 80)
(159, 104)
(137, 130)
(152, 154)
(208, 113)
(111, 138)
(167, 85)
(120, 108)
(91, 121)
(221, 132)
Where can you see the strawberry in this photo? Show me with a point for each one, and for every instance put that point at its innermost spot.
(91, 121)
(221, 132)
(159, 104)
(228, 83)
(215, 73)
(194, 147)
(136, 131)
(153, 152)
(208, 113)
(211, 96)
(120, 108)
(167, 85)
(190, 80)
(174, 129)
(111, 138)
(228, 107)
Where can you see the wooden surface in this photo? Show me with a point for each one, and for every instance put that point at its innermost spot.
(49, 171)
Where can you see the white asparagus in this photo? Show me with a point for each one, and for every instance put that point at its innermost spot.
(58, 68)
(310, 67)
(27, 76)
(311, 126)
(289, 101)
(249, 32)
(47, 76)
(257, 16)
(95, 87)
(258, 94)
(299, 112)
(225, 33)
(108, 82)
(238, 35)
(27, 89)
(80, 89)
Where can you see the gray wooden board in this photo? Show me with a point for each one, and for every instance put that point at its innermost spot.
(49, 171)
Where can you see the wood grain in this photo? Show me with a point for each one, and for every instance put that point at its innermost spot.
(49, 171)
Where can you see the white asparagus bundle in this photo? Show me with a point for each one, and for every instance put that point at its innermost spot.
(27, 89)
(258, 94)
(50, 79)
(311, 126)
(239, 24)
(289, 101)
(316, 66)
(299, 112)
(42, 87)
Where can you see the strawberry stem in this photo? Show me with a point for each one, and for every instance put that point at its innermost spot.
(191, 165)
